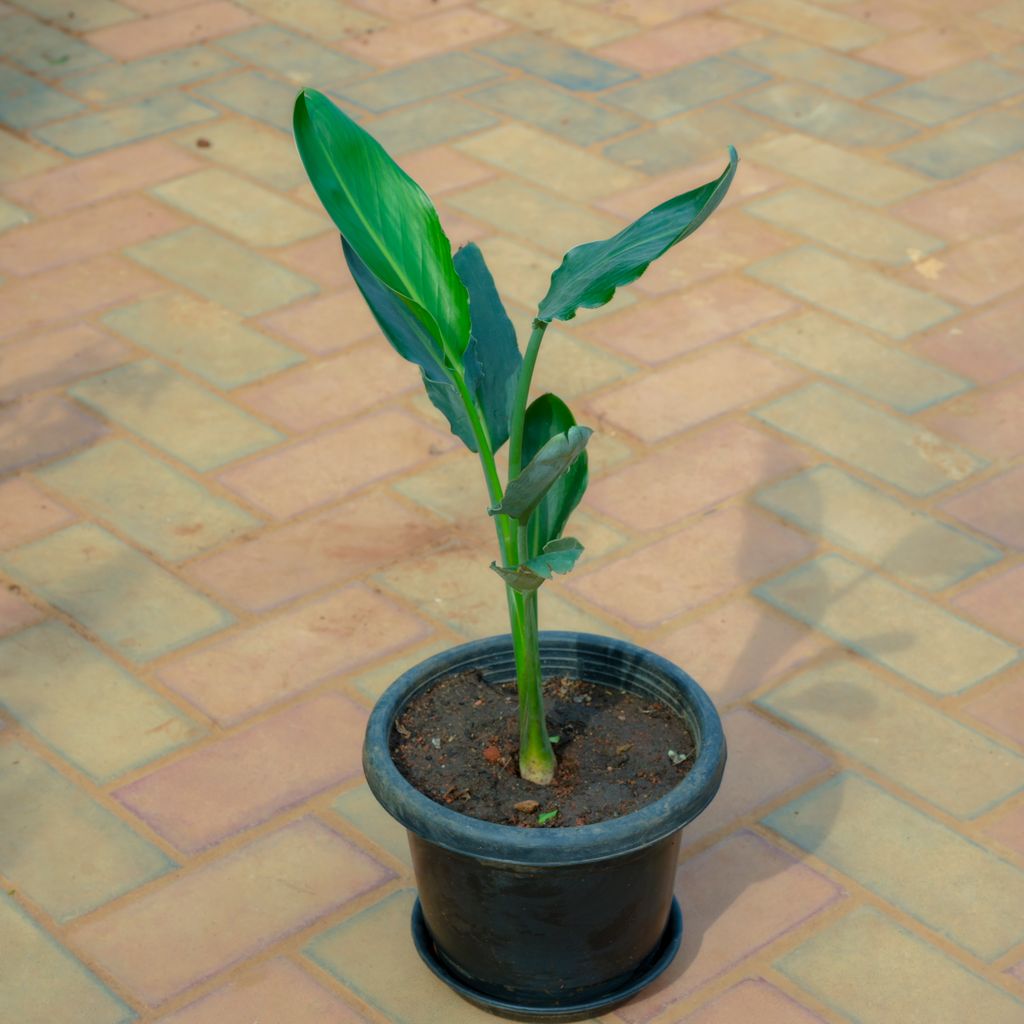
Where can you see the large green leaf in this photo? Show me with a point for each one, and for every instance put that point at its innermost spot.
(525, 492)
(492, 360)
(547, 416)
(411, 340)
(559, 556)
(385, 216)
(590, 273)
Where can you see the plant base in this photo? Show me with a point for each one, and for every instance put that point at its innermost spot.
(562, 1012)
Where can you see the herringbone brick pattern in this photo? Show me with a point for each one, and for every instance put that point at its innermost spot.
(228, 518)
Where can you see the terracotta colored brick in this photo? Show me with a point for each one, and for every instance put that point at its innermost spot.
(329, 323)
(737, 897)
(318, 259)
(806, 21)
(100, 177)
(700, 562)
(15, 612)
(442, 169)
(975, 272)
(727, 459)
(42, 426)
(55, 358)
(363, 376)
(79, 235)
(1008, 829)
(982, 346)
(728, 242)
(750, 1000)
(144, 36)
(369, 532)
(1002, 708)
(560, 19)
(924, 52)
(331, 465)
(739, 647)
(275, 990)
(993, 423)
(279, 657)
(659, 330)
(412, 40)
(26, 513)
(765, 762)
(321, 19)
(997, 603)
(688, 392)
(994, 508)
(685, 41)
(193, 927)
(235, 782)
(983, 204)
(69, 292)
(657, 12)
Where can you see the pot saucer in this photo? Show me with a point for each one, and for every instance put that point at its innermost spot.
(563, 1012)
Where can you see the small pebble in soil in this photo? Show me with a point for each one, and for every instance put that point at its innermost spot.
(527, 806)
(492, 754)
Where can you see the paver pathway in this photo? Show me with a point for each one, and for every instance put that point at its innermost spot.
(228, 518)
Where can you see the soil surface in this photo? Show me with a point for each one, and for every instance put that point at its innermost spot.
(458, 743)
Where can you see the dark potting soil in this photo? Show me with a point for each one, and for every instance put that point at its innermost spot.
(458, 743)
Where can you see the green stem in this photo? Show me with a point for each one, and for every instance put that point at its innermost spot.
(515, 434)
(536, 758)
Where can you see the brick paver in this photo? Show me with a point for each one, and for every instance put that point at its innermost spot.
(228, 518)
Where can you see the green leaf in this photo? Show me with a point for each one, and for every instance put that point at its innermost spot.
(411, 340)
(547, 416)
(590, 273)
(559, 556)
(543, 819)
(492, 360)
(525, 492)
(384, 216)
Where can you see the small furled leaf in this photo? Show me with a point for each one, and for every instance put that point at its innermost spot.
(590, 273)
(384, 215)
(547, 416)
(557, 557)
(543, 819)
(492, 360)
(525, 492)
(412, 341)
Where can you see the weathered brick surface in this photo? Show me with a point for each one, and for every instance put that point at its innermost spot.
(228, 517)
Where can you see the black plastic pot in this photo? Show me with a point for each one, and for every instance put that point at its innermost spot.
(548, 924)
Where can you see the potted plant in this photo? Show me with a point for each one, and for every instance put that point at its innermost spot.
(537, 899)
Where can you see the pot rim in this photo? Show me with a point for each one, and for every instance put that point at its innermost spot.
(574, 844)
